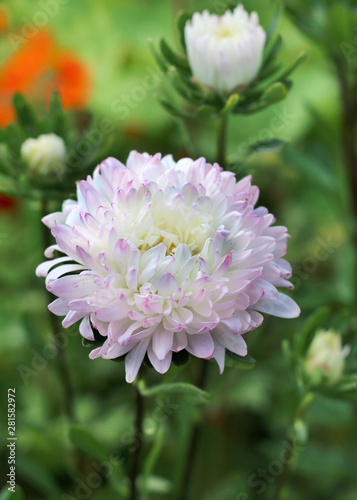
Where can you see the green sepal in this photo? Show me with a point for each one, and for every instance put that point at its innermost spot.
(274, 93)
(231, 103)
(25, 115)
(273, 25)
(181, 20)
(174, 59)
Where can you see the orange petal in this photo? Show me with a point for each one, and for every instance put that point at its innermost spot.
(34, 58)
(72, 81)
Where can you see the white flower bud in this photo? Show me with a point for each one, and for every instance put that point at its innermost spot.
(326, 357)
(225, 52)
(45, 155)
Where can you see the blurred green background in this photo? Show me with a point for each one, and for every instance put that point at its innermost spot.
(244, 427)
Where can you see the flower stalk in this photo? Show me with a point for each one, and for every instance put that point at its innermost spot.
(194, 441)
(222, 141)
(138, 438)
(292, 449)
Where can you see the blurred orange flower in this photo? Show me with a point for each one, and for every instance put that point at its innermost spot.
(3, 19)
(37, 69)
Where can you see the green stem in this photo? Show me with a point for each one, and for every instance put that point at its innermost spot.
(348, 91)
(194, 441)
(57, 334)
(222, 141)
(138, 439)
(292, 452)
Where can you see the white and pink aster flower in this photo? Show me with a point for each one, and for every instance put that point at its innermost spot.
(225, 52)
(161, 257)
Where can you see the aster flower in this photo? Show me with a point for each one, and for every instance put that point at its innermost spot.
(228, 65)
(46, 165)
(161, 257)
(45, 155)
(326, 357)
(225, 52)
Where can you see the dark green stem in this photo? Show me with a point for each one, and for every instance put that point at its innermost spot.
(222, 141)
(292, 451)
(138, 441)
(194, 441)
(348, 91)
(57, 333)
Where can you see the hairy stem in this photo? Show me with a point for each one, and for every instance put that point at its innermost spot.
(292, 451)
(222, 141)
(348, 91)
(194, 441)
(57, 334)
(138, 440)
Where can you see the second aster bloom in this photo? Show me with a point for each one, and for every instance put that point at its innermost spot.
(326, 357)
(45, 155)
(225, 52)
(161, 257)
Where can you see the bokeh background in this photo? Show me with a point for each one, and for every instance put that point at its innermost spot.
(97, 54)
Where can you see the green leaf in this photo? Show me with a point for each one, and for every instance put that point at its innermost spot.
(242, 362)
(57, 119)
(269, 146)
(15, 137)
(301, 57)
(345, 389)
(174, 59)
(160, 62)
(181, 20)
(174, 111)
(177, 388)
(25, 115)
(231, 103)
(271, 52)
(85, 442)
(275, 93)
(191, 95)
(273, 24)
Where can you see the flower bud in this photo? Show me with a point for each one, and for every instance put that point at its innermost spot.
(326, 357)
(45, 155)
(225, 52)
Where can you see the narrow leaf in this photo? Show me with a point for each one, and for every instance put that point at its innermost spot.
(181, 20)
(178, 388)
(173, 58)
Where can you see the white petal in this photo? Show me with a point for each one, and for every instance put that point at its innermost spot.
(134, 359)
